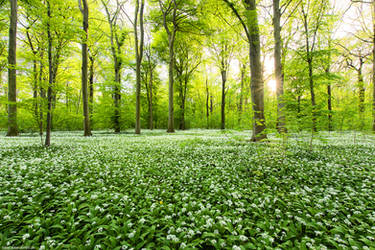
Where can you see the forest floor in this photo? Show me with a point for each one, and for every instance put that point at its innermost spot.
(194, 189)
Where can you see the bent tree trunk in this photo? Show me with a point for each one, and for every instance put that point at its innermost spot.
(12, 82)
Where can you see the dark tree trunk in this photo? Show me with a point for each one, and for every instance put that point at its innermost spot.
(223, 82)
(117, 99)
(312, 91)
(171, 39)
(207, 105)
(240, 105)
(86, 114)
(150, 98)
(139, 56)
(12, 80)
(35, 91)
(257, 84)
(42, 96)
(50, 79)
(361, 92)
(91, 88)
(329, 93)
(278, 67)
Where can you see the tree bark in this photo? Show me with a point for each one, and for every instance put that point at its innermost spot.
(361, 95)
(240, 105)
(86, 114)
(50, 79)
(12, 80)
(207, 105)
(171, 39)
(257, 84)
(91, 88)
(223, 82)
(139, 56)
(329, 93)
(278, 67)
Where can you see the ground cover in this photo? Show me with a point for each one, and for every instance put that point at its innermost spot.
(195, 189)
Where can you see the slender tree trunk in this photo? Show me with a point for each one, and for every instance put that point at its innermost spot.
(42, 96)
(207, 105)
(50, 79)
(329, 93)
(35, 91)
(278, 67)
(361, 106)
(240, 106)
(117, 99)
(91, 88)
(312, 92)
(12, 80)
(139, 56)
(85, 13)
(223, 82)
(171, 82)
(257, 84)
(150, 107)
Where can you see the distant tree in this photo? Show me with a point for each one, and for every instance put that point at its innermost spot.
(117, 38)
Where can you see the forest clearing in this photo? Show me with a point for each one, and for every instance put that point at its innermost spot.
(196, 189)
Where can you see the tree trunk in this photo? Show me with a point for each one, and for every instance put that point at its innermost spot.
(42, 96)
(12, 80)
(86, 114)
(50, 79)
(207, 105)
(91, 88)
(223, 82)
(257, 84)
(35, 91)
(171, 39)
(150, 109)
(312, 92)
(329, 93)
(361, 92)
(117, 99)
(278, 68)
(240, 105)
(139, 56)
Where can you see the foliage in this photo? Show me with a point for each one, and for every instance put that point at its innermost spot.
(195, 189)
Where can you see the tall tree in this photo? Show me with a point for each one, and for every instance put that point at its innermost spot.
(83, 5)
(312, 14)
(251, 29)
(139, 44)
(187, 61)
(117, 39)
(169, 11)
(12, 63)
(50, 78)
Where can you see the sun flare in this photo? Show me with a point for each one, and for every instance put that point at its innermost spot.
(272, 85)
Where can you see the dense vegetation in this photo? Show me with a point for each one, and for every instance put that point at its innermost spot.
(186, 64)
(300, 74)
(190, 189)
